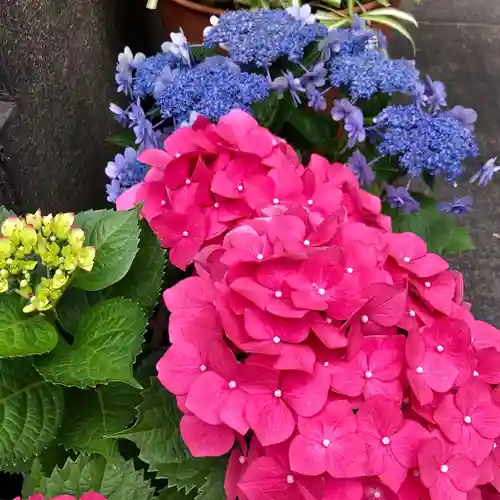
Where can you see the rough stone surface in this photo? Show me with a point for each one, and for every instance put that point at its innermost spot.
(57, 61)
(458, 44)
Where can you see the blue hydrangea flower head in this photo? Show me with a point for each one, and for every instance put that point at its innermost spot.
(365, 74)
(261, 36)
(423, 141)
(458, 206)
(152, 69)
(399, 197)
(212, 89)
(124, 172)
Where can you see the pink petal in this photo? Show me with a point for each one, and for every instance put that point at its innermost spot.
(296, 357)
(406, 443)
(346, 456)
(486, 420)
(306, 393)
(429, 265)
(449, 419)
(343, 489)
(347, 377)
(394, 474)
(192, 295)
(252, 291)
(232, 411)
(463, 472)
(307, 457)
(205, 440)
(157, 158)
(265, 480)
(386, 364)
(430, 459)
(270, 418)
(127, 199)
(92, 495)
(205, 396)
(179, 367)
(488, 365)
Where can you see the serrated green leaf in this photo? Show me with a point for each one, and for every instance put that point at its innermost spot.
(115, 236)
(188, 475)
(172, 494)
(71, 307)
(23, 334)
(107, 340)
(213, 487)
(114, 478)
(156, 432)
(143, 281)
(93, 414)
(31, 411)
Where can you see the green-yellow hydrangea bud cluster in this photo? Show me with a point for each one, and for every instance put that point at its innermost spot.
(39, 254)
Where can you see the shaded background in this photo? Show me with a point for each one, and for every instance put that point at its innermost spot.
(57, 60)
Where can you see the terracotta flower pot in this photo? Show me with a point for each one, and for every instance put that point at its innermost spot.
(192, 17)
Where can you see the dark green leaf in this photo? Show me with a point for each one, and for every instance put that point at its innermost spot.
(156, 432)
(115, 236)
(91, 415)
(265, 111)
(123, 139)
(107, 340)
(5, 213)
(23, 334)
(31, 410)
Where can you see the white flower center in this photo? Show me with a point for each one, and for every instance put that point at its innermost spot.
(276, 201)
(239, 187)
(386, 440)
(439, 348)
(444, 468)
(277, 393)
(242, 460)
(187, 182)
(364, 318)
(278, 294)
(216, 205)
(326, 443)
(307, 243)
(419, 369)
(406, 259)
(185, 233)
(326, 363)
(368, 374)
(427, 284)
(310, 202)
(329, 320)
(290, 479)
(349, 270)
(467, 419)
(475, 373)
(203, 368)
(321, 291)
(276, 340)
(232, 384)
(163, 203)
(377, 494)
(260, 256)
(412, 313)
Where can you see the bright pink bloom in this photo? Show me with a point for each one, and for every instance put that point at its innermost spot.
(447, 474)
(91, 495)
(410, 253)
(371, 373)
(393, 441)
(273, 399)
(271, 478)
(239, 460)
(342, 489)
(205, 440)
(427, 370)
(329, 442)
(437, 291)
(470, 419)
(487, 365)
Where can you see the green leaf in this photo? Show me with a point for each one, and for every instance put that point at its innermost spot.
(31, 411)
(188, 475)
(156, 432)
(107, 340)
(171, 494)
(115, 236)
(144, 280)
(264, 111)
(114, 478)
(23, 334)
(395, 13)
(91, 415)
(5, 213)
(442, 233)
(124, 139)
(213, 487)
(72, 306)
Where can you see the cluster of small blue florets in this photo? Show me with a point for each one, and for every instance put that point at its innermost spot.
(372, 72)
(261, 36)
(150, 70)
(212, 89)
(434, 142)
